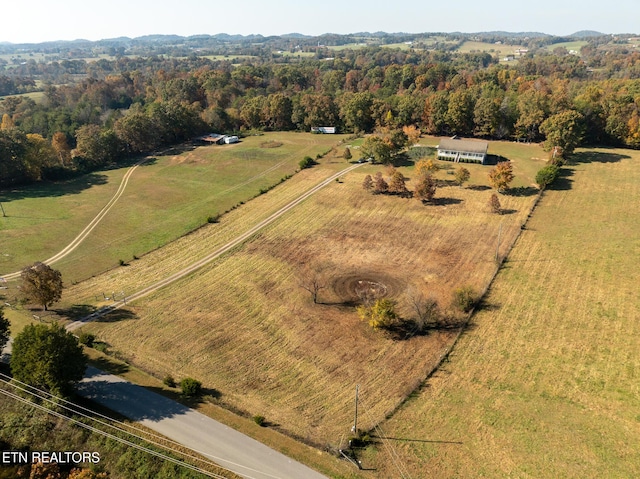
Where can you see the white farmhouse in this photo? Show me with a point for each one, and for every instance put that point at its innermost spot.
(465, 151)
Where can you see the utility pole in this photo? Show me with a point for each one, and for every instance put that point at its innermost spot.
(498, 245)
(354, 429)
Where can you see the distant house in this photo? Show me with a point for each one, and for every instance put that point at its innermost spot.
(465, 151)
(211, 139)
(323, 129)
(217, 139)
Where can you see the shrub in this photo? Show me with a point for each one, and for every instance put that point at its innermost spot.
(306, 162)
(122, 262)
(87, 339)
(418, 152)
(361, 440)
(214, 218)
(190, 387)
(381, 315)
(169, 381)
(426, 167)
(547, 175)
(347, 154)
(464, 298)
(260, 420)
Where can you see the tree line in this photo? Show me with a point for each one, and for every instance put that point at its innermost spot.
(133, 106)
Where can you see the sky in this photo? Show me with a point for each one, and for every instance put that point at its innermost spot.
(38, 21)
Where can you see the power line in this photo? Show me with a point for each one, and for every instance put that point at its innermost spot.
(44, 395)
(110, 436)
(59, 402)
(395, 458)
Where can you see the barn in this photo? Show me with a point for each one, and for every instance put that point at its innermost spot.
(459, 150)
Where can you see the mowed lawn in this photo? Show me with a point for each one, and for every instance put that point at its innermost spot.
(244, 326)
(546, 382)
(166, 198)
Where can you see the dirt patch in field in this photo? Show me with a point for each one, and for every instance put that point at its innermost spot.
(188, 159)
(270, 144)
(353, 286)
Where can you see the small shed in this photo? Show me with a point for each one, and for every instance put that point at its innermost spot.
(466, 151)
(323, 129)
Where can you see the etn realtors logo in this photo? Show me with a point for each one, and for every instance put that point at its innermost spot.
(45, 457)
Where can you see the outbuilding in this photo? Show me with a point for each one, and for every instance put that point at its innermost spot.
(211, 139)
(463, 151)
(330, 130)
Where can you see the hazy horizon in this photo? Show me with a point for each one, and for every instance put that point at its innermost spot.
(72, 20)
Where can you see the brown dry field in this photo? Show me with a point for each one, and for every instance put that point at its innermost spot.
(244, 326)
(546, 382)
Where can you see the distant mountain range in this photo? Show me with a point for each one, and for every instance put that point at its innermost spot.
(224, 37)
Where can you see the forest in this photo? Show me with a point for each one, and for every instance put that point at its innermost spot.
(96, 112)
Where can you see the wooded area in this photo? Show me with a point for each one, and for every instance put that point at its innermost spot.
(126, 106)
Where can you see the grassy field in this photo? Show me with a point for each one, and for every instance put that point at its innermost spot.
(300, 54)
(501, 50)
(169, 196)
(244, 326)
(577, 45)
(402, 46)
(36, 96)
(546, 382)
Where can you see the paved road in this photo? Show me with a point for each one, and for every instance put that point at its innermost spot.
(223, 445)
(219, 443)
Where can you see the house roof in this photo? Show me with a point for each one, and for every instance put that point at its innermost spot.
(469, 146)
(213, 137)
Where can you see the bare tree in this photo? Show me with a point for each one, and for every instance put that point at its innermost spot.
(313, 280)
(426, 310)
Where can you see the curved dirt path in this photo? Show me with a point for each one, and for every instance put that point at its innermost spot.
(211, 256)
(90, 227)
(123, 185)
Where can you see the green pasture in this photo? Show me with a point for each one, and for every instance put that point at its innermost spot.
(501, 49)
(350, 46)
(527, 160)
(576, 45)
(169, 196)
